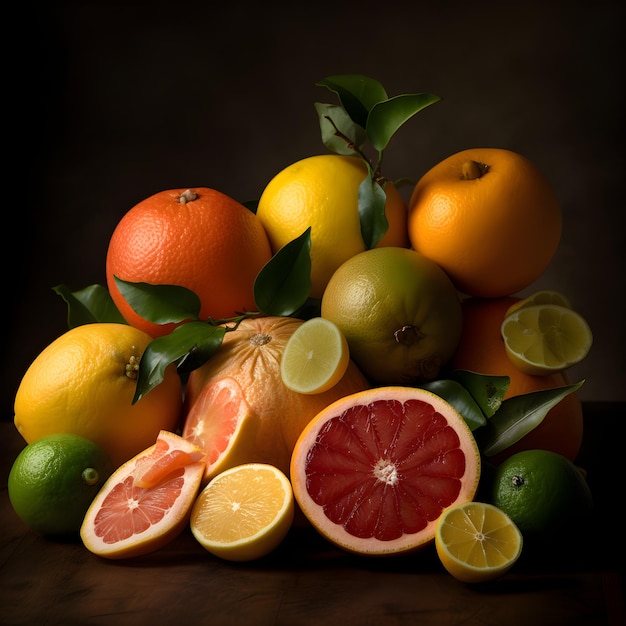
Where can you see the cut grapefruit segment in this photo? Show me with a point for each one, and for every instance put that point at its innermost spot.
(374, 470)
(222, 423)
(127, 520)
(244, 513)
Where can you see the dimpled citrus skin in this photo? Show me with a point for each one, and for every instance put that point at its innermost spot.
(541, 491)
(321, 192)
(53, 481)
(210, 244)
(250, 356)
(80, 384)
(398, 311)
(493, 234)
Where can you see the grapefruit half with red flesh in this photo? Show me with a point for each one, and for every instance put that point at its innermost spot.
(147, 501)
(373, 471)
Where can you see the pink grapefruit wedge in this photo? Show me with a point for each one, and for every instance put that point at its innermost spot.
(374, 471)
(147, 501)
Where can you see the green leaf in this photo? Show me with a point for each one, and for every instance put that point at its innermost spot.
(311, 308)
(191, 342)
(487, 391)
(387, 117)
(372, 200)
(339, 133)
(89, 305)
(517, 416)
(284, 283)
(357, 94)
(454, 393)
(160, 304)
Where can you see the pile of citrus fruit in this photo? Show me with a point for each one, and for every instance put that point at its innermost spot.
(332, 355)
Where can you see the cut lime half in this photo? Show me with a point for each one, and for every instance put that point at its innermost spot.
(546, 338)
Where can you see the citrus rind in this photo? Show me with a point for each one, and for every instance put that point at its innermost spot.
(543, 296)
(126, 520)
(315, 358)
(374, 470)
(477, 542)
(546, 338)
(244, 513)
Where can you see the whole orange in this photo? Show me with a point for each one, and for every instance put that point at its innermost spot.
(197, 238)
(489, 217)
(481, 349)
(239, 394)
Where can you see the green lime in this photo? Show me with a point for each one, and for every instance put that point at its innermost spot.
(53, 481)
(541, 491)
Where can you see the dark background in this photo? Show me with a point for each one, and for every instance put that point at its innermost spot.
(118, 100)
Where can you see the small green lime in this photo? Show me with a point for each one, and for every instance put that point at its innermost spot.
(541, 491)
(53, 481)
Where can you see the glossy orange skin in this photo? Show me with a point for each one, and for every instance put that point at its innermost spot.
(494, 234)
(210, 244)
(481, 349)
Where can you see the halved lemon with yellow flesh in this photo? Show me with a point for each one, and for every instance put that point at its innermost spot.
(477, 542)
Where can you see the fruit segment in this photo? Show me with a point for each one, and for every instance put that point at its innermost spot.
(315, 358)
(125, 519)
(374, 470)
(547, 338)
(244, 513)
(477, 542)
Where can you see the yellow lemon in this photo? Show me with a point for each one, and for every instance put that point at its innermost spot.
(84, 383)
(477, 542)
(321, 192)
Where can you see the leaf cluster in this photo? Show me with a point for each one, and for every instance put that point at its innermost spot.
(364, 122)
(495, 422)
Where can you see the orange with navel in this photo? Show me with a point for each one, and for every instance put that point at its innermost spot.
(489, 217)
(481, 349)
(197, 238)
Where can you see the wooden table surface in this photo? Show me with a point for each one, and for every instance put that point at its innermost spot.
(307, 581)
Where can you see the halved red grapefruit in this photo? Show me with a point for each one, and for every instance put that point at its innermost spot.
(147, 501)
(374, 471)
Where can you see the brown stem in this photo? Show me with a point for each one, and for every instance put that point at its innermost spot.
(473, 169)
(376, 173)
(408, 335)
(187, 196)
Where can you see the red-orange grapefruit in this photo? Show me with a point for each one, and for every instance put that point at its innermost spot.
(147, 501)
(373, 471)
